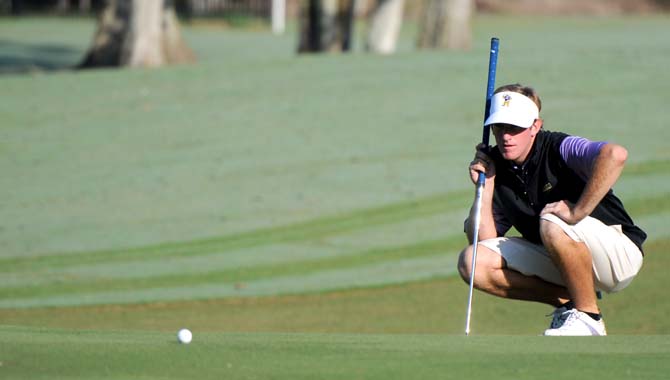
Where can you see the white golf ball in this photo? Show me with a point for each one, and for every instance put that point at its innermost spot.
(184, 336)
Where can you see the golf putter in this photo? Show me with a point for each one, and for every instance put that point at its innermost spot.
(490, 87)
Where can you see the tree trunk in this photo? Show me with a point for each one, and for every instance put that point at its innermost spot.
(17, 7)
(459, 24)
(63, 6)
(446, 24)
(84, 6)
(325, 25)
(138, 33)
(385, 26)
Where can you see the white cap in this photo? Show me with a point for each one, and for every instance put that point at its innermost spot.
(512, 108)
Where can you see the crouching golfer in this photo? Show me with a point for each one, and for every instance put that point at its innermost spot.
(555, 189)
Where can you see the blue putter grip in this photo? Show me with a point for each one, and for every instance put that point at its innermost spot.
(490, 85)
(490, 88)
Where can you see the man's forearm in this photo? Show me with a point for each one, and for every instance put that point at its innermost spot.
(606, 171)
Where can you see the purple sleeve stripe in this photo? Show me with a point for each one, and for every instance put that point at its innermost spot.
(580, 154)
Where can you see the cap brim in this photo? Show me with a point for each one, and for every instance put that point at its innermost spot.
(505, 116)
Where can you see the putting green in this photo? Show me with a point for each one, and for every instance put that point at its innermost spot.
(149, 355)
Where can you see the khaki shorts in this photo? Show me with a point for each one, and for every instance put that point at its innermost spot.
(616, 259)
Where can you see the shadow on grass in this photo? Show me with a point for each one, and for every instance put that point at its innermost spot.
(22, 58)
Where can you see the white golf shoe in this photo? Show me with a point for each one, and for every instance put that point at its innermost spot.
(577, 323)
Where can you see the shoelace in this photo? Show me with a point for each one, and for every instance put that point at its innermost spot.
(558, 318)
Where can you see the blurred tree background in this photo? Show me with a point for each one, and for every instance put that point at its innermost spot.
(146, 33)
(261, 8)
(138, 33)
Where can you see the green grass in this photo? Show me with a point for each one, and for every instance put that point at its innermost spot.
(422, 307)
(302, 215)
(93, 355)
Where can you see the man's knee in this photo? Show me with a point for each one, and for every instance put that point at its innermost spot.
(550, 232)
(465, 263)
(486, 261)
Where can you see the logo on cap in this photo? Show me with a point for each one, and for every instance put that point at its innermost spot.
(507, 98)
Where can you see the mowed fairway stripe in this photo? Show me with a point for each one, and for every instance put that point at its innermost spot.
(252, 259)
(400, 236)
(260, 257)
(309, 230)
(654, 167)
(242, 274)
(360, 220)
(384, 273)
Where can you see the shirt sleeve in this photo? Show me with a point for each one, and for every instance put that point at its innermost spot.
(580, 154)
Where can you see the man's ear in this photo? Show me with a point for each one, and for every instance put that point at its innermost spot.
(537, 125)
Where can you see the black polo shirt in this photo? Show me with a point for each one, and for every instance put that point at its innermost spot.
(522, 192)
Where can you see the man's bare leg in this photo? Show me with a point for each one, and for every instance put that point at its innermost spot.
(574, 261)
(493, 277)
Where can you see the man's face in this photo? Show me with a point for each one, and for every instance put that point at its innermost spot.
(515, 142)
